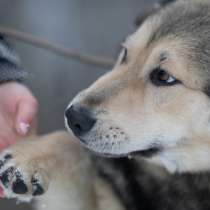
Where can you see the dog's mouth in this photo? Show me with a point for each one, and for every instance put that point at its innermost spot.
(146, 153)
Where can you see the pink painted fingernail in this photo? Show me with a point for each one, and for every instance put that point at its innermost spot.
(24, 128)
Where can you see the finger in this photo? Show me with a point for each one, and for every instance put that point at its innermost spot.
(26, 115)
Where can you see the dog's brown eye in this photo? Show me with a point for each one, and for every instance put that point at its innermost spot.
(160, 77)
(123, 56)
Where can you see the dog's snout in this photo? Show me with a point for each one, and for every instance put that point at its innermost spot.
(79, 119)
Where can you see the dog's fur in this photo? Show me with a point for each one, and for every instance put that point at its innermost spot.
(157, 135)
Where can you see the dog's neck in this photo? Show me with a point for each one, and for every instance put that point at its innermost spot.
(194, 158)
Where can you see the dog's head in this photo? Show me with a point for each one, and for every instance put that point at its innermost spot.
(155, 102)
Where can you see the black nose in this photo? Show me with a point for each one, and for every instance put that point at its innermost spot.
(79, 119)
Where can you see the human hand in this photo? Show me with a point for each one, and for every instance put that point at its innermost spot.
(18, 109)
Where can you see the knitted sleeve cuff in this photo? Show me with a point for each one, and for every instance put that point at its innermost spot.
(10, 69)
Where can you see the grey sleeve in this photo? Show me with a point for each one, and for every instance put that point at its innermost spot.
(10, 69)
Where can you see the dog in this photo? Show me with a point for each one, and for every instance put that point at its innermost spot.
(146, 123)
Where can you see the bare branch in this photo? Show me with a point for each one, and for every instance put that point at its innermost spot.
(56, 48)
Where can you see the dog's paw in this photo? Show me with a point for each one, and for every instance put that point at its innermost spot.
(22, 177)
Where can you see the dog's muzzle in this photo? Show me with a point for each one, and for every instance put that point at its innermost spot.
(79, 120)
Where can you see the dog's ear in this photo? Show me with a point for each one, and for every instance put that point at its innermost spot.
(155, 7)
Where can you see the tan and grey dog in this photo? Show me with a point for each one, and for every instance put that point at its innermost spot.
(150, 113)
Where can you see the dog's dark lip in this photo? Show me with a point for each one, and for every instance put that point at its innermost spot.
(107, 155)
(147, 153)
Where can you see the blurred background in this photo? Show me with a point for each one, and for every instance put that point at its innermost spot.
(91, 26)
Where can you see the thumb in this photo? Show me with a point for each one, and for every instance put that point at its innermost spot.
(26, 116)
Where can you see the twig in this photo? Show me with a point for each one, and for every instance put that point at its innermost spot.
(56, 48)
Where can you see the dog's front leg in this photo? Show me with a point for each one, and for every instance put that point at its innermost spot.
(51, 168)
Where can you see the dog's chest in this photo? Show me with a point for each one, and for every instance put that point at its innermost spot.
(139, 189)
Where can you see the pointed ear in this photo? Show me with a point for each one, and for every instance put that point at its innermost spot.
(155, 7)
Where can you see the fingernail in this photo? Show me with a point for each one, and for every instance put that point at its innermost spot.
(24, 128)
